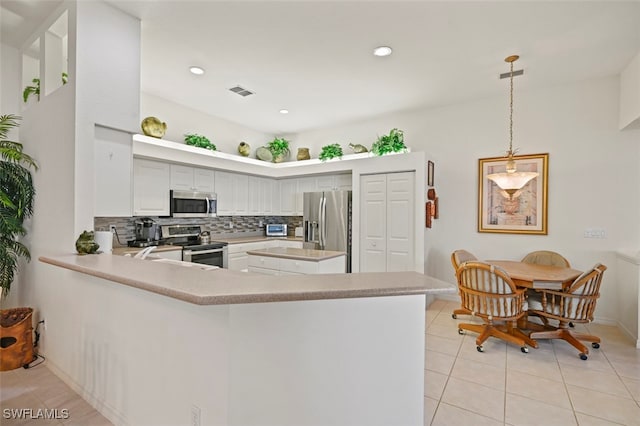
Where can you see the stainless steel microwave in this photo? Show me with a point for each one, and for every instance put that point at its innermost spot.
(193, 204)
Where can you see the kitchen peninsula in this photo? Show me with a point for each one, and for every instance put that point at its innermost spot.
(256, 349)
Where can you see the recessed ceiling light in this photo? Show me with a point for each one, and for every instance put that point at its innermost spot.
(284, 111)
(196, 70)
(382, 51)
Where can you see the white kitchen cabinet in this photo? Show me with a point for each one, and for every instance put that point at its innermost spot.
(286, 266)
(270, 193)
(341, 182)
(288, 190)
(241, 194)
(168, 254)
(289, 243)
(256, 200)
(186, 178)
(387, 221)
(224, 191)
(238, 258)
(151, 181)
(305, 184)
(233, 193)
(262, 196)
(112, 165)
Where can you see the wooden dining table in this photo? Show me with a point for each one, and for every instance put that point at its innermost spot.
(531, 275)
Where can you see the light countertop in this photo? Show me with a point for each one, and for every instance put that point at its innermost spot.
(255, 239)
(297, 254)
(224, 287)
(133, 250)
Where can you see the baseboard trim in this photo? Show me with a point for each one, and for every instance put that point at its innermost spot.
(105, 409)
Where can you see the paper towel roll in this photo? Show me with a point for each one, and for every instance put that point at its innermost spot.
(104, 240)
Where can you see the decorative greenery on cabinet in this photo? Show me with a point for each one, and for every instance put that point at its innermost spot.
(393, 142)
(200, 141)
(17, 194)
(279, 148)
(330, 151)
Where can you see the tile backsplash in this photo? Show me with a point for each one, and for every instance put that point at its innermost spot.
(242, 225)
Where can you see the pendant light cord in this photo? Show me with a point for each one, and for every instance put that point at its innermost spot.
(511, 112)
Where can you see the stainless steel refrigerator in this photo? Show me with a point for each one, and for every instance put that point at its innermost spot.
(327, 222)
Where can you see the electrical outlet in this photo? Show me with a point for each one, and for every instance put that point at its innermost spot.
(230, 225)
(112, 228)
(195, 415)
(594, 233)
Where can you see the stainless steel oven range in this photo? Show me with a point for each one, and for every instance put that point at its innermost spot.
(212, 253)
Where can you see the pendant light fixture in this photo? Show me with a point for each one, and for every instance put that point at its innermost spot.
(511, 181)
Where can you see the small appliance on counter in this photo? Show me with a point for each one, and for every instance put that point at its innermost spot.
(147, 233)
(276, 230)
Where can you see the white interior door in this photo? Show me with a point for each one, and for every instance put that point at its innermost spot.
(400, 214)
(373, 223)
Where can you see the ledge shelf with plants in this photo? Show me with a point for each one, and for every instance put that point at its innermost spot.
(164, 150)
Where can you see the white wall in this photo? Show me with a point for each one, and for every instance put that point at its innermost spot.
(630, 94)
(593, 173)
(10, 89)
(180, 120)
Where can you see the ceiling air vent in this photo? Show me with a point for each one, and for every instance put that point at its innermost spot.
(241, 91)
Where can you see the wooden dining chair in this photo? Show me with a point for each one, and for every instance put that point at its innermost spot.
(550, 258)
(546, 257)
(576, 304)
(458, 257)
(488, 292)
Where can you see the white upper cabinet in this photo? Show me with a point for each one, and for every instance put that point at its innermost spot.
(224, 191)
(340, 182)
(241, 194)
(288, 190)
(151, 181)
(256, 203)
(232, 190)
(191, 178)
(305, 184)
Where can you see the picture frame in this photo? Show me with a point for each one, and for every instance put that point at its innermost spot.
(427, 214)
(430, 171)
(526, 211)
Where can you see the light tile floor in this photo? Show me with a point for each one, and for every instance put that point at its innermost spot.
(550, 385)
(37, 389)
(501, 386)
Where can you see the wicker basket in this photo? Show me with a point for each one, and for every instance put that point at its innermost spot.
(16, 338)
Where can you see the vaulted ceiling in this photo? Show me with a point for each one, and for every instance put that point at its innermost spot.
(314, 58)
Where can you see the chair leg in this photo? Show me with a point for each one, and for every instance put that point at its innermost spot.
(460, 311)
(506, 332)
(564, 333)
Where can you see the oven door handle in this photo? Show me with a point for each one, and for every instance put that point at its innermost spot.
(208, 204)
(197, 252)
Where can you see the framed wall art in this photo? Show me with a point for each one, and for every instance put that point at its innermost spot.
(525, 212)
(430, 167)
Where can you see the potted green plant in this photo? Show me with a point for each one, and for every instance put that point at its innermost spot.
(328, 152)
(200, 141)
(35, 89)
(279, 148)
(31, 90)
(393, 142)
(17, 194)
